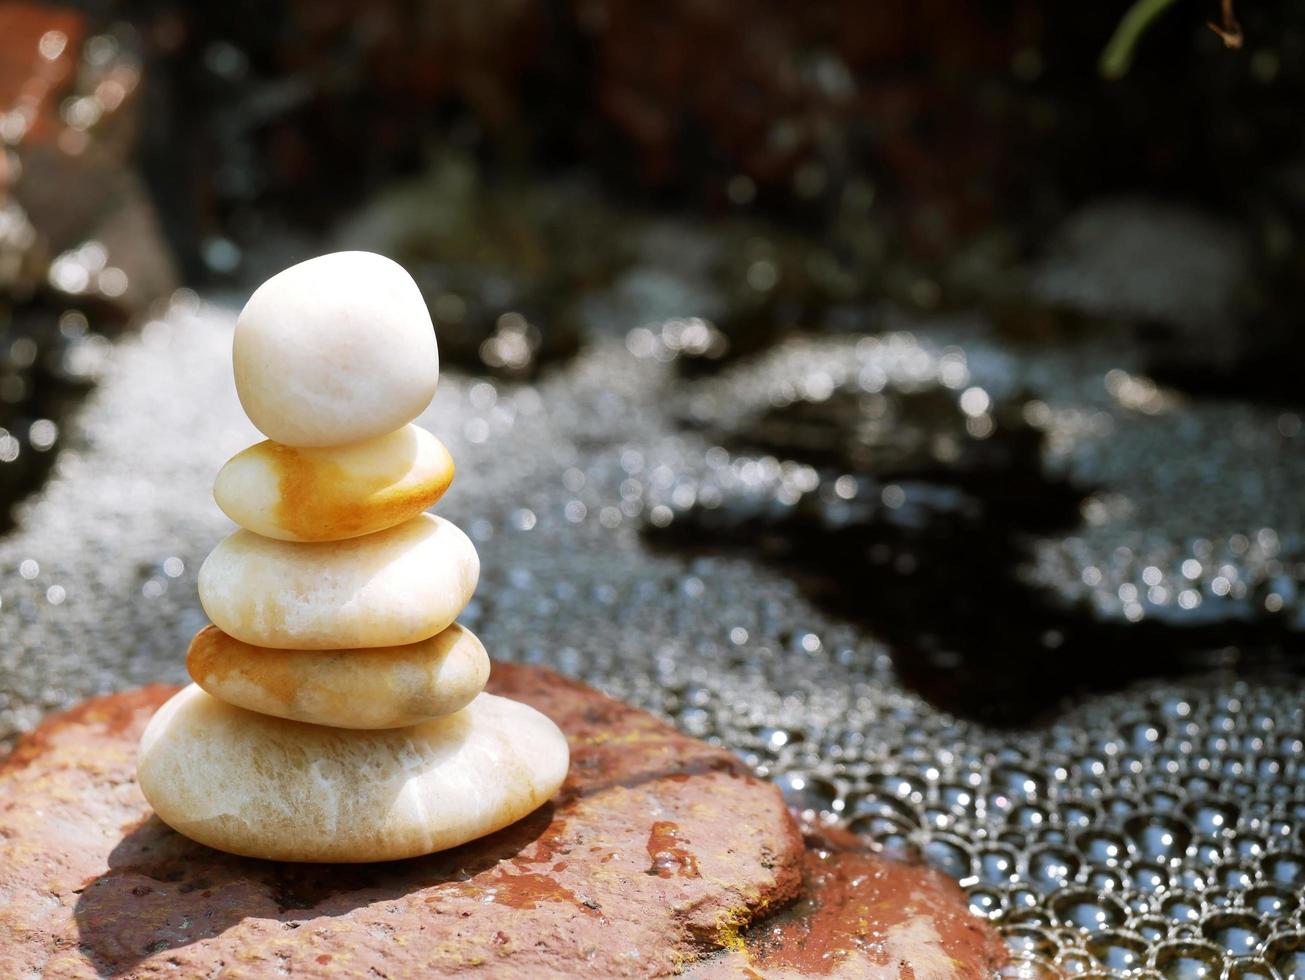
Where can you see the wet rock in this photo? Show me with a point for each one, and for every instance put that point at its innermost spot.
(658, 849)
(863, 915)
(500, 265)
(73, 98)
(928, 493)
(1145, 260)
(80, 248)
(1175, 276)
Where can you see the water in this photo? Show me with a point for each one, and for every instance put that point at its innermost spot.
(1080, 809)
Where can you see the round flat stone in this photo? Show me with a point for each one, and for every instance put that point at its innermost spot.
(657, 849)
(335, 350)
(266, 787)
(379, 687)
(396, 586)
(299, 494)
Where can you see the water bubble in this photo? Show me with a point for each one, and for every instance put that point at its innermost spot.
(1199, 785)
(809, 794)
(1028, 815)
(1218, 898)
(1151, 929)
(1087, 910)
(1051, 835)
(959, 800)
(1144, 735)
(1073, 962)
(1163, 799)
(1023, 898)
(1078, 815)
(1210, 817)
(1147, 878)
(1247, 846)
(950, 856)
(1118, 808)
(877, 827)
(897, 845)
(1105, 880)
(1017, 784)
(1237, 932)
(986, 903)
(1189, 960)
(1270, 901)
(938, 817)
(998, 866)
(1051, 867)
(1118, 950)
(1234, 876)
(1032, 940)
(890, 807)
(1286, 954)
(1159, 837)
(1284, 868)
(901, 785)
(1182, 907)
(1034, 915)
(1206, 852)
(1028, 968)
(1255, 969)
(775, 738)
(1101, 847)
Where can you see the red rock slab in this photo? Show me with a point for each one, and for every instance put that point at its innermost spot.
(656, 851)
(863, 916)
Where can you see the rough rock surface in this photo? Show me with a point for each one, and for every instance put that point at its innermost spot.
(657, 850)
(866, 917)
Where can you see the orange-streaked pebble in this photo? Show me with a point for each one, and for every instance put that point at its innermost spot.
(376, 687)
(335, 493)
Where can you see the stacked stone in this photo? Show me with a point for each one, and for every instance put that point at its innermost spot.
(338, 711)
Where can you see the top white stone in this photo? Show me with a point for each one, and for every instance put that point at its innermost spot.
(334, 350)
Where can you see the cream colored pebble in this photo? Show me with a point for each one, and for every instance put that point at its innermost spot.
(334, 493)
(396, 586)
(378, 687)
(270, 788)
(335, 350)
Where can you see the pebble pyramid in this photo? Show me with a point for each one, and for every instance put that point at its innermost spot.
(338, 711)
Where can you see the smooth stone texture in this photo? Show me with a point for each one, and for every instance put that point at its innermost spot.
(265, 787)
(379, 687)
(393, 587)
(657, 848)
(334, 350)
(330, 494)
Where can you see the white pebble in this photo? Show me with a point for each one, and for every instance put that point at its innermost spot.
(335, 350)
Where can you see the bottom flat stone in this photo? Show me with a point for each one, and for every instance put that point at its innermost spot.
(657, 849)
(267, 787)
